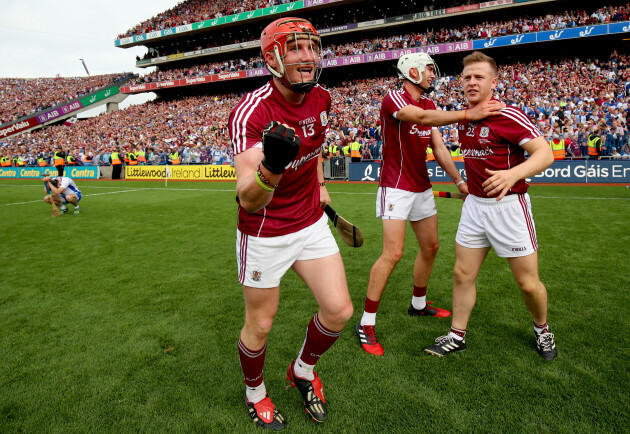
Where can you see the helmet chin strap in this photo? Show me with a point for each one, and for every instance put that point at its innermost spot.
(419, 86)
(425, 89)
(282, 76)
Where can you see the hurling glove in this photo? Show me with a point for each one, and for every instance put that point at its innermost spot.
(280, 146)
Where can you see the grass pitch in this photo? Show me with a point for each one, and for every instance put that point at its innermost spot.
(125, 318)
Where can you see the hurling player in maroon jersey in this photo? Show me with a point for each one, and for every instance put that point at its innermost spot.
(497, 212)
(404, 194)
(277, 132)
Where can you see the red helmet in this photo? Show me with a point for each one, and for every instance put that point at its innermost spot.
(274, 39)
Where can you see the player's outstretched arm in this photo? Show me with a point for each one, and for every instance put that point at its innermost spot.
(438, 118)
(501, 181)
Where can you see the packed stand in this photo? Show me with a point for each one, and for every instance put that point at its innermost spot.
(411, 40)
(570, 99)
(195, 126)
(194, 11)
(21, 97)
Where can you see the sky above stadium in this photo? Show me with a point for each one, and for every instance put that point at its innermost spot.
(43, 38)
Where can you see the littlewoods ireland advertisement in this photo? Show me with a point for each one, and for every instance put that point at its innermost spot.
(188, 173)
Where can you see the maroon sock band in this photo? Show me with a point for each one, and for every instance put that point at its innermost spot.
(318, 340)
(252, 363)
(419, 291)
(458, 332)
(371, 306)
(544, 326)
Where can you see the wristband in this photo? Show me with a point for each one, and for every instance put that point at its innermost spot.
(321, 184)
(263, 186)
(460, 182)
(461, 115)
(264, 179)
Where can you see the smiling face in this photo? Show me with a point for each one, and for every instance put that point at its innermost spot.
(428, 76)
(478, 82)
(301, 59)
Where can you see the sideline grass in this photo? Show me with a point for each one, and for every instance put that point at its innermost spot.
(126, 317)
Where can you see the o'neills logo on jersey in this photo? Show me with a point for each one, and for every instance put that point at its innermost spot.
(422, 133)
(323, 117)
(476, 153)
(307, 121)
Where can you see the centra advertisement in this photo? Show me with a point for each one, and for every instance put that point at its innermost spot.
(78, 172)
(187, 173)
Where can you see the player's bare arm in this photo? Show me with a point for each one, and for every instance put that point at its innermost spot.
(324, 196)
(250, 195)
(51, 186)
(501, 181)
(443, 157)
(438, 118)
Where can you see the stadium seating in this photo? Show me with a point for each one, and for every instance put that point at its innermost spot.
(571, 95)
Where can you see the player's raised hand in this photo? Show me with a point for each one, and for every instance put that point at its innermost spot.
(484, 109)
(280, 146)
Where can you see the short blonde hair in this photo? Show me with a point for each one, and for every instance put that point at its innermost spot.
(478, 56)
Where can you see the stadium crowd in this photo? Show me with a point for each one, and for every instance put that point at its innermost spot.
(486, 29)
(24, 96)
(569, 98)
(195, 127)
(194, 11)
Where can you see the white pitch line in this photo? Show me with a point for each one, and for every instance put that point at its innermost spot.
(87, 187)
(83, 195)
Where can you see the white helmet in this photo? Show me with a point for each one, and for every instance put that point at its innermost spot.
(420, 61)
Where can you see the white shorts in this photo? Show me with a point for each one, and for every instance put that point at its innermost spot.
(392, 203)
(64, 200)
(507, 225)
(262, 261)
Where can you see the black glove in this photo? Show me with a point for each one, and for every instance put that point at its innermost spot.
(280, 146)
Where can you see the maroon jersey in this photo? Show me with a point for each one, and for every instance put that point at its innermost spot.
(495, 143)
(404, 144)
(295, 203)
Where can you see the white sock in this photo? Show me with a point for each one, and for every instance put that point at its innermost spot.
(304, 370)
(368, 318)
(63, 206)
(419, 302)
(538, 329)
(256, 394)
(454, 336)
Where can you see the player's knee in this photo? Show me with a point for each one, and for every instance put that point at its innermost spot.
(392, 256)
(338, 318)
(261, 328)
(47, 199)
(346, 313)
(431, 249)
(530, 286)
(462, 274)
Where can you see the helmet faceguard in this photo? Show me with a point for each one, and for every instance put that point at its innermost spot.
(420, 61)
(277, 35)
